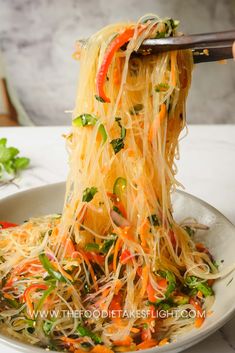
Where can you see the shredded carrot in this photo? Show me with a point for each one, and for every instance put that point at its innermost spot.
(101, 349)
(118, 286)
(147, 344)
(126, 234)
(69, 340)
(200, 317)
(157, 122)
(127, 341)
(131, 152)
(151, 293)
(163, 342)
(8, 296)
(62, 271)
(28, 300)
(90, 268)
(144, 232)
(135, 330)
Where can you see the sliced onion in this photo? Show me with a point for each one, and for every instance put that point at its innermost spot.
(119, 220)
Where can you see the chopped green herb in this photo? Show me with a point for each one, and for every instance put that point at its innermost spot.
(171, 281)
(88, 194)
(160, 35)
(195, 283)
(174, 23)
(161, 87)
(117, 144)
(83, 331)
(154, 220)
(189, 230)
(92, 247)
(107, 244)
(123, 130)
(47, 326)
(99, 99)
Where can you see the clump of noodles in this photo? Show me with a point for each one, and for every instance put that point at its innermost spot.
(143, 121)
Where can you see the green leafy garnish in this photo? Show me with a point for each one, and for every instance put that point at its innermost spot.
(92, 247)
(154, 220)
(189, 230)
(171, 281)
(83, 331)
(161, 87)
(107, 244)
(10, 163)
(99, 99)
(88, 194)
(47, 326)
(159, 35)
(195, 283)
(118, 143)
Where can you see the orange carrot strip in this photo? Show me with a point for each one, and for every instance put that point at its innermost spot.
(101, 349)
(157, 122)
(199, 319)
(90, 268)
(163, 342)
(147, 344)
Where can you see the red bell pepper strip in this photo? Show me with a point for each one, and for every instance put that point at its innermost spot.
(125, 257)
(32, 288)
(4, 225)
(115, 45)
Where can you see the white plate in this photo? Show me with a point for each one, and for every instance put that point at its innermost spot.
(220, 239)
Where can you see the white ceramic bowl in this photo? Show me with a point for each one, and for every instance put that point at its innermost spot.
(220, 239)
